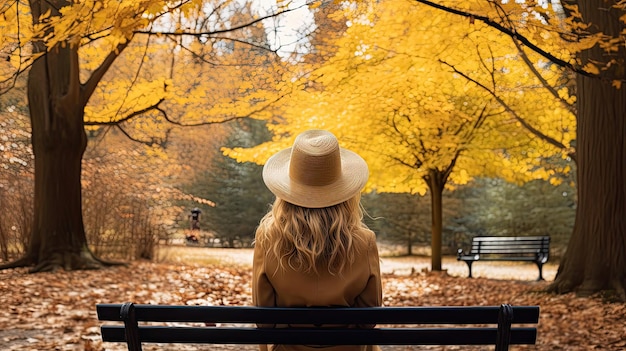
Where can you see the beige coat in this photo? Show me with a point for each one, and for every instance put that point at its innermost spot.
(359, 286)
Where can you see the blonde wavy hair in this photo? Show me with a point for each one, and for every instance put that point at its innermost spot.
(309, 238)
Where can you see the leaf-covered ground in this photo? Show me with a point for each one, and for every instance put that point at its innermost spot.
(56, 311)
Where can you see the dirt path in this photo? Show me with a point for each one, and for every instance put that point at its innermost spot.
(399, 265)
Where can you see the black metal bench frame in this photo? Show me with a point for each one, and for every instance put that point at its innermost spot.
(507, 248)
(445, 325)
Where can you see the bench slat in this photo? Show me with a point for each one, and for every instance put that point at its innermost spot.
(507, 252)
(471, 325)
(497, 245)
(306, 336)
(509, 248)
(320, 315)
(510, 238)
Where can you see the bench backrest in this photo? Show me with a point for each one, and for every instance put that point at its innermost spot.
(467, 325)
(513, 246)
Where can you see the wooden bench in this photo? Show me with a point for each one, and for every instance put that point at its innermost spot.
(467, 325)
(507, 248)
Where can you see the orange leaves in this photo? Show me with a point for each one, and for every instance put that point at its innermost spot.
(591, 68)
(51, 311)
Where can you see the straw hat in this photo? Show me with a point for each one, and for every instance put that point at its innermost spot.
(315, 172)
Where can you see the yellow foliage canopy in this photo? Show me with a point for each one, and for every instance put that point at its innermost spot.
(167, 57)
(393, 93)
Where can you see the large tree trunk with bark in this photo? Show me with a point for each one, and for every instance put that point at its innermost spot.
(59, 141)
(595, 259)
(58, 237)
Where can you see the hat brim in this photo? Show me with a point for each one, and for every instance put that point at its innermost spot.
(354, 175)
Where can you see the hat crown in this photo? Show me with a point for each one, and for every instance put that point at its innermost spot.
(316, 172)
(315, 159)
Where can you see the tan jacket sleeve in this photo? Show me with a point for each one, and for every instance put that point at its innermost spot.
(263, 293)
(372, 295)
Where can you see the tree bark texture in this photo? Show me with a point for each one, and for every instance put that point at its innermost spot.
(436, 181)
(595, 259)
(59, 141)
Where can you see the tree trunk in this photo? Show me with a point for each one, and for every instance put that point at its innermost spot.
(436, 182)
(595, 259)
(59, 140)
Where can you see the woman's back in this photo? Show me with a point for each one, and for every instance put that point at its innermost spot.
(312, 249)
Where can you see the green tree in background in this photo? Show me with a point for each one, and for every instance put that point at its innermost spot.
(237, 189)
(404, 220)
(492, 206)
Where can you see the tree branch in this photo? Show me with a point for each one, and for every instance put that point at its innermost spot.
(542, 80)
(90, 86)
(225, 30)
(201, 58)
(130, 137)
(128, 117)
(225, 119)
(525, 124)
(513, 34)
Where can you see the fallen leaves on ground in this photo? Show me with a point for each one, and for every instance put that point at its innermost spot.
(56, 311)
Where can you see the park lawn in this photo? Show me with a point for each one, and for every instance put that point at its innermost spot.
(56, 311)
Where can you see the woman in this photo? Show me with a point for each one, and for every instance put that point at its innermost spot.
(312, 248)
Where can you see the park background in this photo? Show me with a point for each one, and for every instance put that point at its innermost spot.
(469, 117)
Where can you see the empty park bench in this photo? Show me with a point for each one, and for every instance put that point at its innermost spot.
(508, 248)
(468, 325)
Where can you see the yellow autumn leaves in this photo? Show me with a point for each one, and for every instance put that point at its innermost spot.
(411, 88)
(397, 91)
